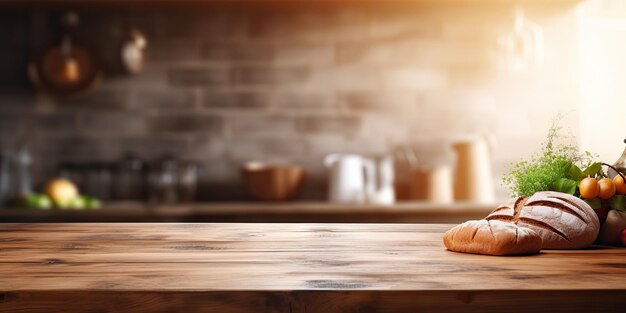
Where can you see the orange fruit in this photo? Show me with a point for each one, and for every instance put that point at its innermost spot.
(620, 185)
(589, 188)
(607, 188)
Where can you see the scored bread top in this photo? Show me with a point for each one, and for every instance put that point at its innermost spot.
(492, 238)
(562, 220)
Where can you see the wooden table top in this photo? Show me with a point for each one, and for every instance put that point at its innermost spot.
(181, 257)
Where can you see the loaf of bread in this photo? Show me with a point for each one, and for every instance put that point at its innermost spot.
(493, 238)
(524, 225)
(562, 220)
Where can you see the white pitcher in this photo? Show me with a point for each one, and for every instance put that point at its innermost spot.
(356, 179)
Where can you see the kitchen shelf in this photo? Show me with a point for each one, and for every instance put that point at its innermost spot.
(404, 212)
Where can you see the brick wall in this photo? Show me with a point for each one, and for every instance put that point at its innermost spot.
(225, 85)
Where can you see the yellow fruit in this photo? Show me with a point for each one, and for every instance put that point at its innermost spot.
(607, 188)
(620, 185)
(589, 188)
(61, 191)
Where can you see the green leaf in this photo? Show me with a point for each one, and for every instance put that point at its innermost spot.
(618, 202)
(594, 203)
(565, 185)
(593, 170)
(574, 173)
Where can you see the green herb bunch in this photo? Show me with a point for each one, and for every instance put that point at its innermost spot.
(556, 167)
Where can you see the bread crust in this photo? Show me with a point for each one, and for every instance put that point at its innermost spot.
(492, 238)
(562, 220)
(546, 220)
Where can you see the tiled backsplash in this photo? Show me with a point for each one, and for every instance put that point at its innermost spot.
(224, 85)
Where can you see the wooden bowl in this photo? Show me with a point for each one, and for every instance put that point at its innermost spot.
(273, 182)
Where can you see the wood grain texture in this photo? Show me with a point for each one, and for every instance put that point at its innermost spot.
(289, 268)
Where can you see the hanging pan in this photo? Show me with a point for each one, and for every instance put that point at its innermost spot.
(65, 70)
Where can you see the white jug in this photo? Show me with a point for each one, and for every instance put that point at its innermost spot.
(356, 179)
(382, 190)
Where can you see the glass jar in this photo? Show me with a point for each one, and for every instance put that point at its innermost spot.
(187, 182)
(129, 178)
(163, 181)
(98, 180)
(20, 179)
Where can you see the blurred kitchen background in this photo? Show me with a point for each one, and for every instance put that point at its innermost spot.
(149, 101)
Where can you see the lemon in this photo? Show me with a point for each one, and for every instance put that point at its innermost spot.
(61, 191)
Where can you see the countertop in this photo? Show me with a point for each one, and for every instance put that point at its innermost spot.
(149, 267)
(303, 212)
